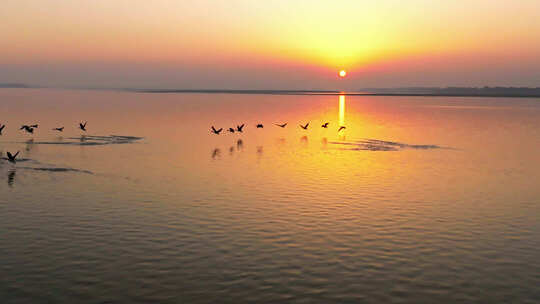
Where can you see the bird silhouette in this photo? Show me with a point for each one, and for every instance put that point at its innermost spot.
(260, 126)
(282, 125)
(341, 128)
(2, 128)
(305, 127)
(27, 129)
(83, 126)
(216, 131)
(231, 130)
(239, 128)
(11, 158)
(59, 129)
(325, 125)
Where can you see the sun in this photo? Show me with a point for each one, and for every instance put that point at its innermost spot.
(342, 73)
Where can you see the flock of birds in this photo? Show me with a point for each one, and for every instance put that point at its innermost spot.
(239, 128)
(30, 129)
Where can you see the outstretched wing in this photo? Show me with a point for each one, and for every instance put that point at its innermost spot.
(214, 129)
(9, 155)
(16, 154)
(220, 129)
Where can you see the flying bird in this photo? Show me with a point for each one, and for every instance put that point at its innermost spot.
(305, 127)
(231, 130)
(34, 126)
(239, 128)
(260, 126)
(341, 128)
(2, 128)
(325, 125)
(11, 158)
(27, 129)
(83, 126)
(59, 129)
(282, 125)
(216, 131)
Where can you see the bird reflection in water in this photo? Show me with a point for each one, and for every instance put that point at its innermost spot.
(259, 152)
(239, 145)
(11, 177)
(216, 153)
(29, 145)
(304, 141)
(324, 142)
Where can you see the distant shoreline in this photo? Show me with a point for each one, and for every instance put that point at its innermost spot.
(331, 93)
(494, 92)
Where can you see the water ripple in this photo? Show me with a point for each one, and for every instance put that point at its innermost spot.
(380, 145)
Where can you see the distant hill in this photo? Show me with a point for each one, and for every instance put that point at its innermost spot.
(457, 91)
(13, 85)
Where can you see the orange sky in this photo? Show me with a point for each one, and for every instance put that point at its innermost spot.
(270, 44)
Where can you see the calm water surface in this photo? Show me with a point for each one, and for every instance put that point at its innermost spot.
(419, 200)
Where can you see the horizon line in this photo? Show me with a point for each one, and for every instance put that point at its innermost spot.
(449, 91)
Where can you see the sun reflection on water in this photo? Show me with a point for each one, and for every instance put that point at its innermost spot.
(341, 110)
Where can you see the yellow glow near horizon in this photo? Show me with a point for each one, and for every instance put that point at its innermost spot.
(311, 35)
(342, 73)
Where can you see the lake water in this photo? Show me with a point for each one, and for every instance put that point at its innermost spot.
(418, 200)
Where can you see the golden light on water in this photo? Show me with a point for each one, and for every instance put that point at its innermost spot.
(341, 110)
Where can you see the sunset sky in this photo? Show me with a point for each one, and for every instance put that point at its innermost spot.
(279, 44)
